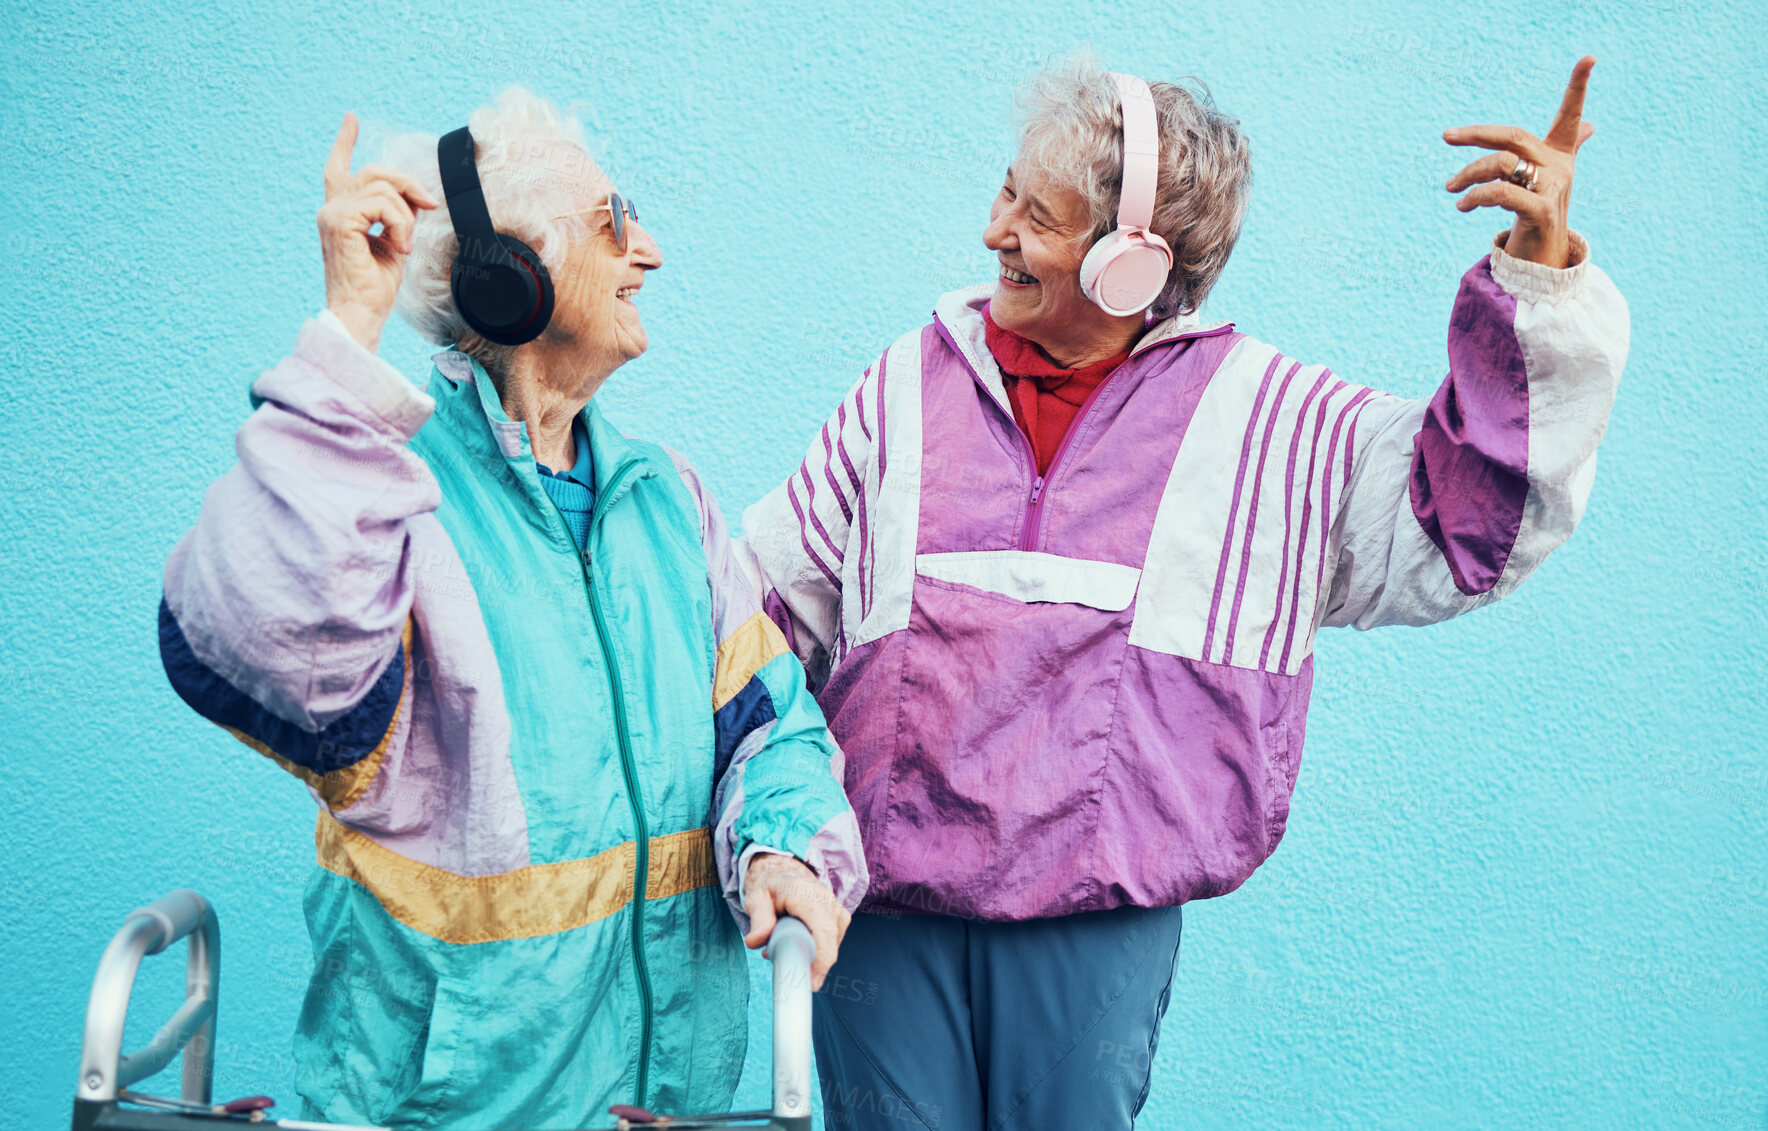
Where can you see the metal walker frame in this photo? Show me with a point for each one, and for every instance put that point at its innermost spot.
(106, 1073)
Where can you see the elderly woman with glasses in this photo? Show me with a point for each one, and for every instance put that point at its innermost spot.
(551, 733)
(1058, 560)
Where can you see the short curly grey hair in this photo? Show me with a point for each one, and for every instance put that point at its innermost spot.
(1071, 131)
(530, 156)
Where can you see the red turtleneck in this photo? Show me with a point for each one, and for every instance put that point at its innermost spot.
(1045, 397)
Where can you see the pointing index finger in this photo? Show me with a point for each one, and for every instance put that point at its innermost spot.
(1563, 134)
(337, 164)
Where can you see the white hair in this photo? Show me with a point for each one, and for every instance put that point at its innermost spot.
(1071, 131)
(530, 155)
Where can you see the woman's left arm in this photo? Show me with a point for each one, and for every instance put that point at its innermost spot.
(784, 836)
(1449, 504)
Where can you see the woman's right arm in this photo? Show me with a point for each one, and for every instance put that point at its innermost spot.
(285, 611)
(809, 537)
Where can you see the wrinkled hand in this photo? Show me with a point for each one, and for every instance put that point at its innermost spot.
(1540, 233)
(362, 271)
(779, 885)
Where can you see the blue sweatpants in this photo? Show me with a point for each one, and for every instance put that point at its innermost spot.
(961, 1025)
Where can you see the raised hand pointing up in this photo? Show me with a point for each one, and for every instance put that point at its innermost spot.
(362, 271)
(1529, 176)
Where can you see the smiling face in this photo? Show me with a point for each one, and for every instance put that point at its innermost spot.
(596, 315)
(1040, 233)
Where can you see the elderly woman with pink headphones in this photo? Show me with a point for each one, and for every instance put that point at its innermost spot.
(1056, 564)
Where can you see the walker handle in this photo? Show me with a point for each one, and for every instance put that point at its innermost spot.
(791, 949)
(150, 930)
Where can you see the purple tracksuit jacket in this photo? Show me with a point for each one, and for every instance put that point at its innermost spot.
(1088, 689)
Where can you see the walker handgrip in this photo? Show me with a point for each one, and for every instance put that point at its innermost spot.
(178, 913)
(791, 949)
(150, 930)
(787, 932)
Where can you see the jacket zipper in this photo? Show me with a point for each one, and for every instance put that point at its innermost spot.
(1034, 511)
(629, 770)
(1034, 516)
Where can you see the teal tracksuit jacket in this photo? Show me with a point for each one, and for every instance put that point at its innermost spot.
(540, 772)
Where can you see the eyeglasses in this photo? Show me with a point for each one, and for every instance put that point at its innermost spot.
(618, 207)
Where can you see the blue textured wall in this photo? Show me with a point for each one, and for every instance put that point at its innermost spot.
(1525, 882)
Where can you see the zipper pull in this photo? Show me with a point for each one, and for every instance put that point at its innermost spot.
(1037, 488)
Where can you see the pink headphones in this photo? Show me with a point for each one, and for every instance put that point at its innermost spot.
(1126, 270)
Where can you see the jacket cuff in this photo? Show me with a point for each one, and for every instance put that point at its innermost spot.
(1535, 282)
(325, 344)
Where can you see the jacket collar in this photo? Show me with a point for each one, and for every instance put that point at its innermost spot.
(958, 315)
(478, 416)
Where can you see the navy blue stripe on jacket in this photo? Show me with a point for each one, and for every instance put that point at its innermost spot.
(745, 712)
(349, 739)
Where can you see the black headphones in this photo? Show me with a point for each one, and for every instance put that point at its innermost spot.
(500, 286)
